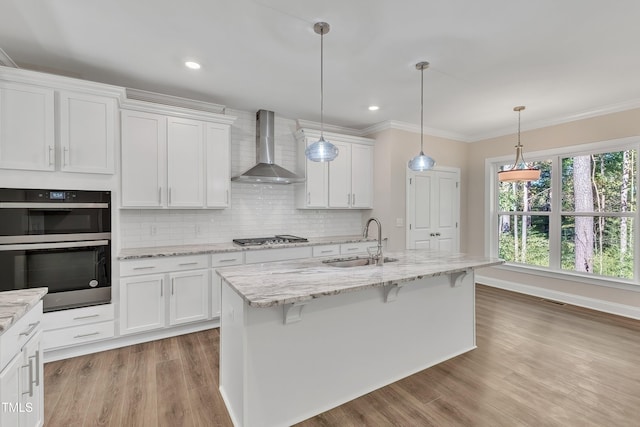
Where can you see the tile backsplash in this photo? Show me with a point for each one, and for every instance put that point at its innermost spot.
(256, 209)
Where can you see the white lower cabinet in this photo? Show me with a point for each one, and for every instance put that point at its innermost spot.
(221, 260)
(188, 296)
(177, 293)
(21, 379)
(77, 326)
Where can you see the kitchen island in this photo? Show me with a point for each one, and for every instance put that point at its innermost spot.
(301, 337)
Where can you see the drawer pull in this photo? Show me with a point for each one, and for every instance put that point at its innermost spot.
(86, 317)
(228, 260)
(144, 268)
(187, 263)
(326, 252)
(87, 335)
(32, 326)
(352, 249)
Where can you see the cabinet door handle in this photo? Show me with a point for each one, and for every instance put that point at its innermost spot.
(87, 335)
(354, 200)
(227, 198)
(86, 317)
(159, 195)
(32, 326)
(172, 282)
(51, 154)
(161, 286)
(30, 366)
(309, 198)
(65, 156)
(348, 198)
(187, 263)
(37, 366)
(169, 195)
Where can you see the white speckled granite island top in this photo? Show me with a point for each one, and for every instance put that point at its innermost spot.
(214, 248)
(277, 283)
(14, 304)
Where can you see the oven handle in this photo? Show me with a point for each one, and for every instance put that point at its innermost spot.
(27, 205)
(52, 238)
(56, 245)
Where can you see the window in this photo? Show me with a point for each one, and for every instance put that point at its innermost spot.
(578, 218)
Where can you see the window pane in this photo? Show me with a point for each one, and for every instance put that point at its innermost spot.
(600, 182)
(526, 196)
(528, 244)
(598, 245)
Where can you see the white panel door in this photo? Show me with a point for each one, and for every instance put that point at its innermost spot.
(218, 167)
(141, 303)
(27, 135)
(433, 210)
(317, 183)
(188, 301)
(185, 139)
(87, 132)
(340, 177)
(144, 159)
(361, 176)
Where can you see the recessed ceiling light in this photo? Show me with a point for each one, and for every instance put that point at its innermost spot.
(192, 65)
(373, 108)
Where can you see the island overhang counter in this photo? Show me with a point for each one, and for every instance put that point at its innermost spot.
(300, 337)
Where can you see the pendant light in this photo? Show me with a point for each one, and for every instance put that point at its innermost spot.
(321, 150)
(421, 162)
(519, 171)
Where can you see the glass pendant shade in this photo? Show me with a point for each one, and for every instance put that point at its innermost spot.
(519, 172)
(421, 162)
(321, 151)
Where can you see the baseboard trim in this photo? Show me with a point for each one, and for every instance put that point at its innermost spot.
(573, 299)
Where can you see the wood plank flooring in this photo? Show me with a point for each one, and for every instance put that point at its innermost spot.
(537, 364)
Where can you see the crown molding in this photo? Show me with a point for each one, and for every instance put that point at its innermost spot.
(410, 127)
(174, 101)
(6, 60)
(343, 130)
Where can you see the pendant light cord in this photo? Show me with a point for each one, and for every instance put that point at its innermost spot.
(421, 111)
(322, 84)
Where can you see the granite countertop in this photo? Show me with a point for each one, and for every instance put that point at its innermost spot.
(14, 304)
(277, 283)
(162, 251)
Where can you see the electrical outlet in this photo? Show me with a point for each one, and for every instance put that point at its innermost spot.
(153, 230)
(399, 222)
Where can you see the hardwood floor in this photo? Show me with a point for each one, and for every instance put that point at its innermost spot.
(537, 364)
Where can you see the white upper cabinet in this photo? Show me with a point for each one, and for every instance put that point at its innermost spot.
(27, 135)
(217, 164)
(144, 159)
(54, 123)
(87, 132)
(174, 162)
(184, 162)
(344, 183)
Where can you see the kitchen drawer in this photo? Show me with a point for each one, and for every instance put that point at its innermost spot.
(78, 316)
(356, 248)
(16, 336)
(77, 335)
(227, 258)
(280, 254)
(137, 267)
(326, 250)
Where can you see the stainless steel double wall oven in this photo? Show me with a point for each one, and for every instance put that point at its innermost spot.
(60, 239)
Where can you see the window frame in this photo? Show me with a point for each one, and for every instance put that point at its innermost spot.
(555, 270)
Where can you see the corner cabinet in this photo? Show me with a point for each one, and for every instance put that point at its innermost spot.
(346, 182)
(50, 123)
(175, 162)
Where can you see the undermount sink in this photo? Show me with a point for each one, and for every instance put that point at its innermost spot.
(355, 261)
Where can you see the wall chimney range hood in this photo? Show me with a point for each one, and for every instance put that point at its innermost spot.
(266, 171)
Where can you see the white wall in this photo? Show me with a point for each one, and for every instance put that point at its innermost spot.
(256, 209)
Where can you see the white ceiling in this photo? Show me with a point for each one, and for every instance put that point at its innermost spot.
(562, 59)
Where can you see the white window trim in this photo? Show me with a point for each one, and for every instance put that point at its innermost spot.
(554, 271)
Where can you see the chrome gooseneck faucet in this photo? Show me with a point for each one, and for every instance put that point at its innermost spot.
(378, 257)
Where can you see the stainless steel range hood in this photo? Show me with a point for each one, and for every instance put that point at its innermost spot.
(266, 171)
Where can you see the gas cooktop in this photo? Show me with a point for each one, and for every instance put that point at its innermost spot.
(272, 240)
